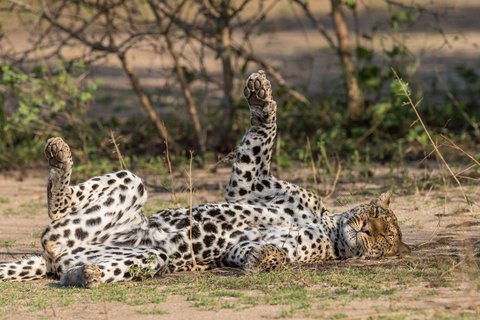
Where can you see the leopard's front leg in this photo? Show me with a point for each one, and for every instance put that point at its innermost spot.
(253, 256)
(59, 192)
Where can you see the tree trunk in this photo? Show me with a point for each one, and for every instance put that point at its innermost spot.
(146, 103)
(355, 100)
(224, 44)
(187, 94)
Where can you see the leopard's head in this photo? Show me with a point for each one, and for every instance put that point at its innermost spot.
(372, 230)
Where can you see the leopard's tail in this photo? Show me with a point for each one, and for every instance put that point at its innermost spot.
(29, 268)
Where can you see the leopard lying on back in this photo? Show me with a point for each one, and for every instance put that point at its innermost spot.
(99, 233)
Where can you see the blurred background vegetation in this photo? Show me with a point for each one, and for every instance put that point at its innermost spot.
(155, 70)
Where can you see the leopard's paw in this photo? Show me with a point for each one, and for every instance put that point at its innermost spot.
(258, 92)
(265, 258)
(92, 276)
(88, 276)
(58, 153)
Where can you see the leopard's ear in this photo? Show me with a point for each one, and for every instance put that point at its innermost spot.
(383, 200)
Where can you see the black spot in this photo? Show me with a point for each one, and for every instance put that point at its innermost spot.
(256, 150)
(77, 250)
(39, 272)
(236, 234)
(95, 186)
(242, 192)
(141, 189)
(183, 223)
(23, 273)
(108, 202)
(70, 243)
(248, 176)
(206, 254)
(213, 212)
(177, 238)
(94, 221)
(244, 158)
(220, 242)
(195, 232)
(111, 181)
(54, 237)
(259, 187)
(127, 180)
(66, 233)
(183, 247)
(122, 198)
(80, 234)
(11, 272)
(210, 227)
(121, 174)
(76, 221)
(117, 271)
(146, 242)
(197, 246)
(92, 209)
(208, 240)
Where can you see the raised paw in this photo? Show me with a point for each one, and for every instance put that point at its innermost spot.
(58, 153)
(258, 92)
(266, 258)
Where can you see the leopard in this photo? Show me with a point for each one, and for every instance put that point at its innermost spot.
(100, 234)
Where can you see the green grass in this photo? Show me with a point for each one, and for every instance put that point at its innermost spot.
(152, 312)
(154, 206)
(7, 243)
(294, 293)
(4, 200)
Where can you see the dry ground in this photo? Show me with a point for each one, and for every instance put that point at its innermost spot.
(440, 279)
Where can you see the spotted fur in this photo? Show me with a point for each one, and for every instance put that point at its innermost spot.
(99, 233)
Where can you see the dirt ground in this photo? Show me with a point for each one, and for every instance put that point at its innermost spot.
(436, 222)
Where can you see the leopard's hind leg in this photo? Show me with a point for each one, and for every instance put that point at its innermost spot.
(251, 167)
(251, 180)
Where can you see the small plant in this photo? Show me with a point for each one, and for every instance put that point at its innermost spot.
(38, 104)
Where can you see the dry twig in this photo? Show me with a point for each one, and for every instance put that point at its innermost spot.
(407, 95)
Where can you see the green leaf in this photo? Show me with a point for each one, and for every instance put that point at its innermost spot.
(402, 16)
(189, 75)
(363, 53)
(351, 4)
